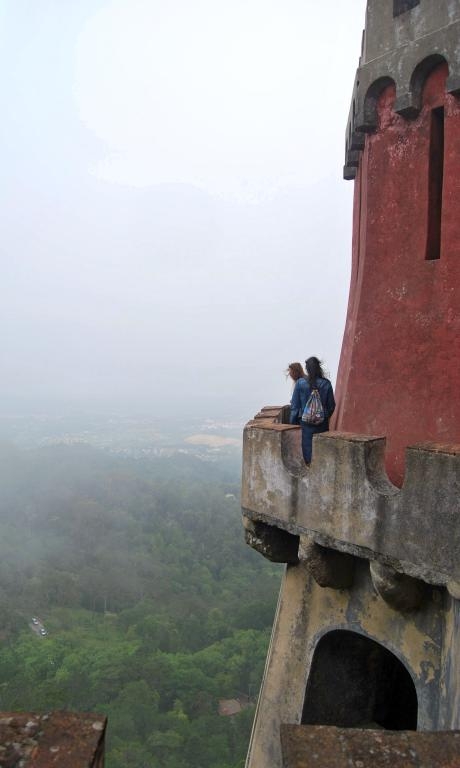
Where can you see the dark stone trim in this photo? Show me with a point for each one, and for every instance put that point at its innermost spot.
(368, 118)
(357, 141)
(274, 543)
(353, 158)
(453, 85)
(404, 106)
(349, 174)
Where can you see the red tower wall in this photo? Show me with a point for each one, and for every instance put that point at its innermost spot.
(399, 371)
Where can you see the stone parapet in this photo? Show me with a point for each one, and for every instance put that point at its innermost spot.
(58, 739)
(345, 501)
(329, 747)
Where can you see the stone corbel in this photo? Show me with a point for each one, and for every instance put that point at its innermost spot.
(273, 543)
(328, 567)
(402, 592)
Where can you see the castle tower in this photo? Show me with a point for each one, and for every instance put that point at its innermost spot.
(365, 649)
(399, 375)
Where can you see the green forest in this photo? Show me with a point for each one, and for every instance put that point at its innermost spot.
(154, 607)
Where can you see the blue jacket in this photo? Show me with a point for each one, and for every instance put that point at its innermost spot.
(302, 392)
(299, 399)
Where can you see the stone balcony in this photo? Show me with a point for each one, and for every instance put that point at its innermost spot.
(345, 502)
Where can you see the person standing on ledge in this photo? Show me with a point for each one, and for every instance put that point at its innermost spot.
(300, 392)
(316, 380)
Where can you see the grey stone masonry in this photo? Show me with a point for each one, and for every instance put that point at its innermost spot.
(401, 49)
(344, 501)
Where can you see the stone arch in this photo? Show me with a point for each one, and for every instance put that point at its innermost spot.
(367, 121)
(355, 682)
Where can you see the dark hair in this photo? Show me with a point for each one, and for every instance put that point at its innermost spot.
(295, 371)
(314, 370)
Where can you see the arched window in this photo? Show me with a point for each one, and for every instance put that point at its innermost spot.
(355, 682)
(435, 182)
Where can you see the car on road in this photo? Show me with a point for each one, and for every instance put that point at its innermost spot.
(35, 620)
(43, 631)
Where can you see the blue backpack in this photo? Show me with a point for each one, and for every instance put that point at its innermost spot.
(314, 412)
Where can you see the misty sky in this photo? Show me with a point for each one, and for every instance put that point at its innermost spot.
(174, 225)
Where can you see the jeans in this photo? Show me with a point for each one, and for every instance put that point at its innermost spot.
(308, 430)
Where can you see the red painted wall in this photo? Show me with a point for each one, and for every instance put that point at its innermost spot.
(399, 371)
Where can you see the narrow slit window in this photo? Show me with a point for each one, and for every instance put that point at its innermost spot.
(435, 180)
(401, 6)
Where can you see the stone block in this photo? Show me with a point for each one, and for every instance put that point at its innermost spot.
(305, 746)
(273, 543)
(404, 593)
(328, 567)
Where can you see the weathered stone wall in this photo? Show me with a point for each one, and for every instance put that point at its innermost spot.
(387, 32)
(329, 747)
(346, 502)
(365, 557)
(306, 613)
(449, 710)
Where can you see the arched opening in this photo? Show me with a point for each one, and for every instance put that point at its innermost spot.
(421, 74)
(355, 682)
(369, 118)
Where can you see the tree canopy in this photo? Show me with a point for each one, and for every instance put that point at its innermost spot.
(154, 607)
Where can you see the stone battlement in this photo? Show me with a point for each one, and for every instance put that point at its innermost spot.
(344, 501)
(401, 49)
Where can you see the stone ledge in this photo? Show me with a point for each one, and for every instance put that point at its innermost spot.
(304, 746)
(273, 543)
(345, 500)
(61, 739)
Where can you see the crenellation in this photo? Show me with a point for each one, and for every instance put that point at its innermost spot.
(404, 60)
(347, 500)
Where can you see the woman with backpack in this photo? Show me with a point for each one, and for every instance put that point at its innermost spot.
(299, 393)
(317, 411)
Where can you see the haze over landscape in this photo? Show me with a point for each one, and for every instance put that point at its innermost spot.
(175, 229)
(174, 232)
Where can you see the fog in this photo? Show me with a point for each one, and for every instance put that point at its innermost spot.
(175, 227)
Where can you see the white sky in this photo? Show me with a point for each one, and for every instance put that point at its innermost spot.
(175, 226)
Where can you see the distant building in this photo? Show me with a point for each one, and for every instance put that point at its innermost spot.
(229, 707)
